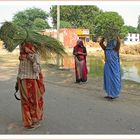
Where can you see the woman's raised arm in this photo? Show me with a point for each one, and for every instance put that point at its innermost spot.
(102, 43)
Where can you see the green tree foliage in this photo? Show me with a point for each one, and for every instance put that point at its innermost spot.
(138, 27)
(40, 24)
(132, 29)
(110, 25)
(77, 16)
(65, 24)
(123, 32)
(31, 18)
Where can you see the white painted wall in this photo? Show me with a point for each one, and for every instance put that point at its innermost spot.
(132, 38)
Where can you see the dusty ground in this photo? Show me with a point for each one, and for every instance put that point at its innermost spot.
(70, 108)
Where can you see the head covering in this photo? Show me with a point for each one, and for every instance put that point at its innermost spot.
(80, 43)
(25, 49)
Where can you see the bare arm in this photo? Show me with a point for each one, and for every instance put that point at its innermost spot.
(102, 43)
(103, 47)
(117, 48)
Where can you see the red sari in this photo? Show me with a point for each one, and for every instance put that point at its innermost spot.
(31, 90)
(80, 64)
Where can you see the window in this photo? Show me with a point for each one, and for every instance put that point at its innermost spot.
(130, 39)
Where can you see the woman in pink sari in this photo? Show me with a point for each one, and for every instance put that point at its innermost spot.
(31, 86)
(80, 54)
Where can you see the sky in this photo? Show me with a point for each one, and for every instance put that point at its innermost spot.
(129, 10)
(7, 11)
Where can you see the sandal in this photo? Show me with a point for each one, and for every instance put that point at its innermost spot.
(34, 126)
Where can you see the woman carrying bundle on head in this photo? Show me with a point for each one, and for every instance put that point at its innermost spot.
(112, 71)
(31, 86)
(30, 79)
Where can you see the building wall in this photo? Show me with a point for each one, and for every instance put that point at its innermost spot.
(68, 36)
(132, 38)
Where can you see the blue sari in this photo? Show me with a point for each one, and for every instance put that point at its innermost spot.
(112, 72)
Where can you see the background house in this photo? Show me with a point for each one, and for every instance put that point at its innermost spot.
(132, 39)
(69, 36)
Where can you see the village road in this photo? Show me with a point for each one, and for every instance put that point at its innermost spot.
(69, 108)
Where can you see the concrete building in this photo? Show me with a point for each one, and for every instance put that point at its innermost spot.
(132, 39)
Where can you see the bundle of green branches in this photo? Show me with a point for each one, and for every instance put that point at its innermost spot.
(13, 35)
(109, 25)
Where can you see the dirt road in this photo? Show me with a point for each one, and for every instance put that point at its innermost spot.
(70, 108)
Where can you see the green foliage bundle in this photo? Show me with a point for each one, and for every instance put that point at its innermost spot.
(13, 35)
(109, 25)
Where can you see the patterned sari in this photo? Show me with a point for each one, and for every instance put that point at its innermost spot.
(31, 92)
(31, 88)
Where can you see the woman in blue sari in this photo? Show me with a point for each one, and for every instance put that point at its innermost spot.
(112, 71)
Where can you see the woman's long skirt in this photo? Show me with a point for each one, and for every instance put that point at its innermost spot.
(80, 70)
(31, 92)
(112, 74)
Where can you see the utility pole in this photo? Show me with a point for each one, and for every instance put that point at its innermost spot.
(58, 27)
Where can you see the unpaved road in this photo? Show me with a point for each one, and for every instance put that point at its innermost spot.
(70, 108)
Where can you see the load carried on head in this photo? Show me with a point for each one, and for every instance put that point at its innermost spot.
(13, 35)
(109, 25)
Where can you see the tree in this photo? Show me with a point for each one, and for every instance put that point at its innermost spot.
(123, 32)
(77, 16)
(138, 27)
(110, 25)
(31, 18)
(132, 29)
(65, 24)
(40, 24)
